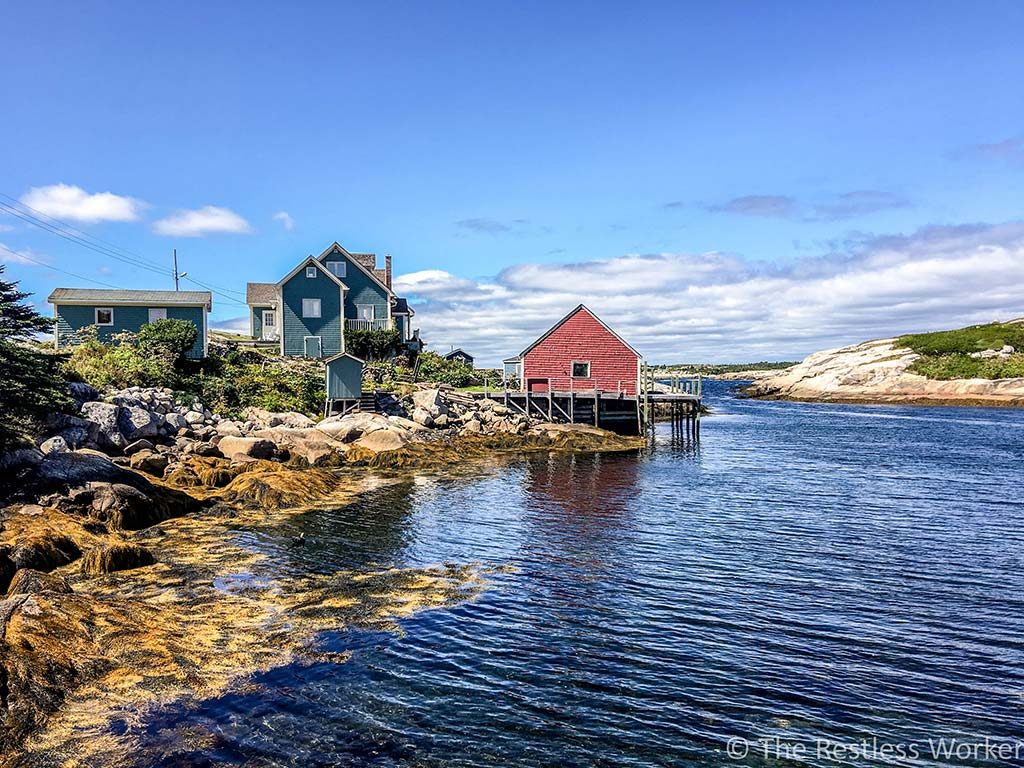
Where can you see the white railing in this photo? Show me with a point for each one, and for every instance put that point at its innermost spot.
(368, 325)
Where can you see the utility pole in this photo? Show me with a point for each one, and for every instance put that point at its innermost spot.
(177, 275)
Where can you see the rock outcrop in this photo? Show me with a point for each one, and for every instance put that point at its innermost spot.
(877, 372)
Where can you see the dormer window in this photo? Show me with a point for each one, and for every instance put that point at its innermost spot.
(310, 271)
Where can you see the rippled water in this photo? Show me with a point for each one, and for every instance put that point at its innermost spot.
(808, 571)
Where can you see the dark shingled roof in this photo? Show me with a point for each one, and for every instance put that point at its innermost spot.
(260, 294)
(400, 307)
(114, 296)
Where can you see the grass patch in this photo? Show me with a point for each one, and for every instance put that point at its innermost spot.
(974, 338)
(947, 354)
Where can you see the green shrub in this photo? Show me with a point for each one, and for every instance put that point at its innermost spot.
(229, 385)
(117, 365)
(373, 345)
(961, 366)
(31, 385)
(434, 368)
(974, 338)
(170, 338)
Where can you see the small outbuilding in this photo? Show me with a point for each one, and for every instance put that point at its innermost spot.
(112, 311)
(460, 356)
(579, 353)
(344, 382)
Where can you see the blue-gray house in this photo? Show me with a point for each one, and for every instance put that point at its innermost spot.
(112, 311)
(309, 310)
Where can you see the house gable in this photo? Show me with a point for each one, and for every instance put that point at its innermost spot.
(294, 328)
(363, 285)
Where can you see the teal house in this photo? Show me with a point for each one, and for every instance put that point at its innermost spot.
(115, 311)
(310, 309)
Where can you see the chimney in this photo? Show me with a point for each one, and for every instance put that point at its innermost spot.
(387, 269)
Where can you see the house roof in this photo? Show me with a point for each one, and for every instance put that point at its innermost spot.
(340, 355)
(457, 351)
(309, 261)
(364, 261)
(260, 294)
(119, 297)
(578, 308)
(401, 307)
(512, 360)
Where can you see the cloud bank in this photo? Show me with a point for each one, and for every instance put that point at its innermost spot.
(723, 308)
(204, 221)
(63, 201)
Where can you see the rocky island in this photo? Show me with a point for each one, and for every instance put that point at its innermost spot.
(980, 365)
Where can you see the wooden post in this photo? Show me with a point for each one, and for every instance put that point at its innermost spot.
(597, 407)
(551, 400)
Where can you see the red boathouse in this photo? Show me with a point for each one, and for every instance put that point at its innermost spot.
(580, 353)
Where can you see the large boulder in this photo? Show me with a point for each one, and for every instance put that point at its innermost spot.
(44, 553)
(82, 392)
(350, 427)
(252, 447)
(423, 416)
(266, 419)
(382, 440)
(309, 447)
(430, 400)
(150, 462)
(105, 417)
(229, 428)
(137, 423)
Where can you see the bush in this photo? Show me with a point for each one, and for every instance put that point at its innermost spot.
(961, 366)
(228, 385)
(974, 338)
(118, 365)
(169, 338)
(373, 345)
(434, 368)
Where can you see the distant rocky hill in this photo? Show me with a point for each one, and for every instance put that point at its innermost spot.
(962, 367)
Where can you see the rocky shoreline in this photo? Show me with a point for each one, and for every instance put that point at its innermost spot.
(117, 532)
(877, 372)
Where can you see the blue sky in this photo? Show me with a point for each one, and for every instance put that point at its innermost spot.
(719, 181)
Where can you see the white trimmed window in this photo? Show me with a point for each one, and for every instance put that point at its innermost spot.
(157, 313)
(366, 311)
(580, 369)
(311, 307)
(337, 268)
(310, 271)
(104, 316)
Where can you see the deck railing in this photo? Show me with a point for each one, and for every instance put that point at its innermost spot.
(368, 325)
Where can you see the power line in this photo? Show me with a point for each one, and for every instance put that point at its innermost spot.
(21, 256)
(93, 243)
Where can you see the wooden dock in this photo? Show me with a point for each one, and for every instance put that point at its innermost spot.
(678, 401)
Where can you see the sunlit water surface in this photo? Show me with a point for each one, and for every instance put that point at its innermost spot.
(807, 572)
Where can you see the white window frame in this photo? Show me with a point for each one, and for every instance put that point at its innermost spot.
(161, 316)
(310, 271)
(572, 369)
(273, 314)
(373, 312)
(96, 315)
(337, 268)
(307, 309)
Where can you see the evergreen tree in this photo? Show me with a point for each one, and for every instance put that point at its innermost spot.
(31, 385)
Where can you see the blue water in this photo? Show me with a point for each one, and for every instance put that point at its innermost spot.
(805, 572)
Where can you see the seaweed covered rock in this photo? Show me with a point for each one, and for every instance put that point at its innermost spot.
(45, 552)
(267, 485)
(28, 581)
(120, 556)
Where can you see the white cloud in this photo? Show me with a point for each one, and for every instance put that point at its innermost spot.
(25, 256)
(204, 221)
(6, 228)
(722, 308)
(64, 201)
(286, 220)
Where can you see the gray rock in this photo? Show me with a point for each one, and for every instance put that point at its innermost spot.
(194, 418)
(252, 447)
(19, 459)
(55, 445)
(136, 446)
(136, 423)
(177, 420)
(149, 462)
(104, 416)
(422, 416)
(82, 393)
(229, 428)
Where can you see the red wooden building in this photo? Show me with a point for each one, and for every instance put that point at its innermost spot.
(580, 353)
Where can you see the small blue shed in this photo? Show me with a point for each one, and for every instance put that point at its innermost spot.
(344, 377)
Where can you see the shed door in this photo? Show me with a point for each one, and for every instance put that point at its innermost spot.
(313, 346)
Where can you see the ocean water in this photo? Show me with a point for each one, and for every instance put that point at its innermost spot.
(806, 580)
